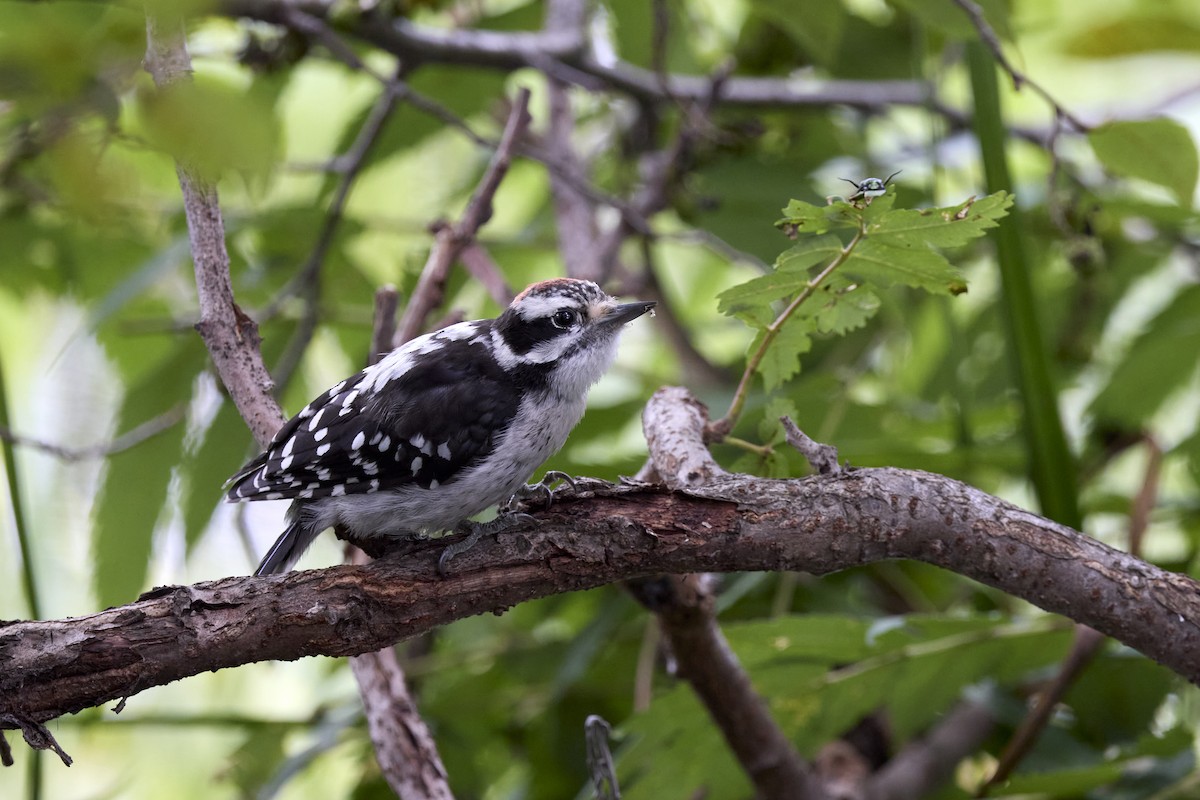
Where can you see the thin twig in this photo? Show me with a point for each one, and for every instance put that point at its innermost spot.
(131, 438)
(383, 324)
(684, 606)
(988, 34)
(404, 747)
(307, 281)
(450, 239)
(477, 261)
(721, 428)
(509, 51)
(822, 457)
(230, 336)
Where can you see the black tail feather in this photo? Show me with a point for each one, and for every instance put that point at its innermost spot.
(287, 549)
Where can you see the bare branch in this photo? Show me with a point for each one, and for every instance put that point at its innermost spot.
(404, 747)
(383, 324)
(131, 438)
(565, 47)
(1086, 645)
(988, 34)
(673, 423)
(736, 523)
(450, 239)
(307, 280)
(230, 336)
(477, 261)
(927, 763)
(822, 457)
(684, 607)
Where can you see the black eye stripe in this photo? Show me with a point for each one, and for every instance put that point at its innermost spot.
(523, 336)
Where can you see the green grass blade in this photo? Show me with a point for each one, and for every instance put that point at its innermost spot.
(28, 576)
(1051, 464)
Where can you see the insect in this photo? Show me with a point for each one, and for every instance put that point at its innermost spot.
(870, 188)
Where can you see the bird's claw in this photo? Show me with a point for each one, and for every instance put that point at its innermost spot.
(477, 530)
(543, 489)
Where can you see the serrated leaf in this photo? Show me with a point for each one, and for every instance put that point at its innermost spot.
(802, 217)
(1159, 150)
(222, 450)
(912, 265)
(136, 480)
(951, 226)
(805, 218)
(808, 253)
(750, 301)
(782, 359)
(1160, 361)
(845, 309)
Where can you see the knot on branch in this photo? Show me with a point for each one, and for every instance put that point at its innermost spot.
(673, 423)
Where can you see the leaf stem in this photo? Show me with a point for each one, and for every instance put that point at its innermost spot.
(719, 429)
(760, 450)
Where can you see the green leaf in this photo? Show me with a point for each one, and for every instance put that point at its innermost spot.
(782, 359)
(946, 17)
(1160, 361)
(750, 301)
(136, 481)
(844, 308)
(816, 25)
(808, 253)
(212, 127)
(222, 450)
(1158, 150)
(1153, 32)
(823, 672)
(1133, 688)
(951, 226)
(1063, 783)
(800, 217)
(908, 264)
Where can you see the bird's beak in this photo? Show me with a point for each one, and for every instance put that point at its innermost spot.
(627, 312)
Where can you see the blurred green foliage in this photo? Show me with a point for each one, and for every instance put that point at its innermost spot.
(97, 304)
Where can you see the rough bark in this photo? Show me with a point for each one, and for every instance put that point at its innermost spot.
(817, 525)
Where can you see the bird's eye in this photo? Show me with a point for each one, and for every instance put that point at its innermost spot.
(564, 318)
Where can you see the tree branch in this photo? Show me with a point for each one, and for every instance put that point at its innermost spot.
(564, 46)
(684, 607)
(131, 438)
(407, 755)
(927, 763)
(450, 239)
(230, 336)
(738, 523)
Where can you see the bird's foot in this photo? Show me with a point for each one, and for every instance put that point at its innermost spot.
(546, 489)
(477, 530)
(542, 490)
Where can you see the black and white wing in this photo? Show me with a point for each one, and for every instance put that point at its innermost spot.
(443, 409)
